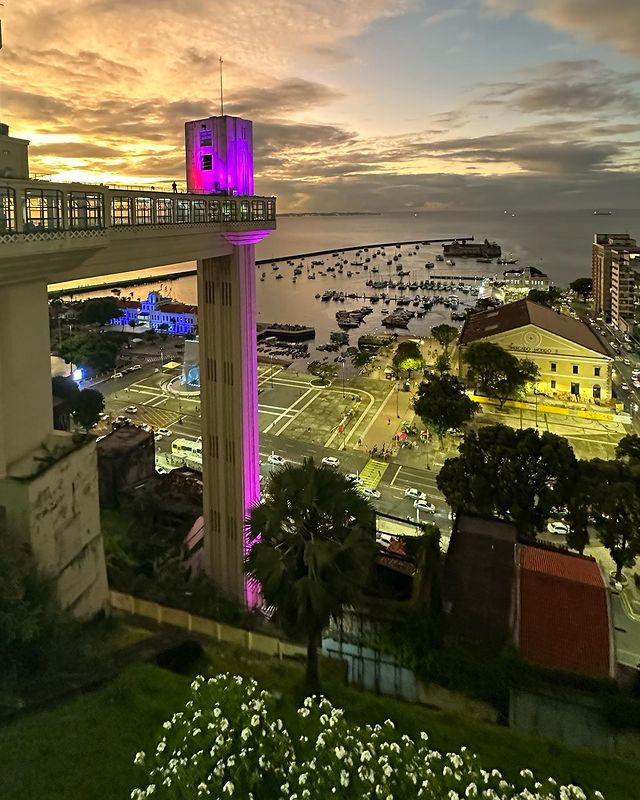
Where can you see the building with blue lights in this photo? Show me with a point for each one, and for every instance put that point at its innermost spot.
(156, 312)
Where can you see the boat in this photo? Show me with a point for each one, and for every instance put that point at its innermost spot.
(450, 262)
(439, 257)
(484, 260)
(602, 213)
(429, 265)
(279, 276)
(507, 261)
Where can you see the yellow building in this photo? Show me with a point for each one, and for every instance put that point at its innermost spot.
(571, 359)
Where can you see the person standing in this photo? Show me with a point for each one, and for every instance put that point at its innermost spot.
(174, 187)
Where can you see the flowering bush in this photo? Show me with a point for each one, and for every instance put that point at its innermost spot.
(227, 743)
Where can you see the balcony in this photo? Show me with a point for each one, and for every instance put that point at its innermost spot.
(69, 224)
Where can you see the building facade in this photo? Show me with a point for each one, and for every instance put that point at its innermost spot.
(519, 282)
(156, 312)
(572, 361)
(625, 274)
(601, 267)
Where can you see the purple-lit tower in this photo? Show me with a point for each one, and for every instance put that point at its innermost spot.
(219, 154)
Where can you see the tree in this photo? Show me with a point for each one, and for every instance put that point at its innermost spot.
(64, 388)
(445, 335)
(163, 327)
(96, 350)
(550, 298)
(87, 407)
(312, 551)
(582, 286)
(628, 449)
(615, 510)
(361, 359)
(407, 357)
(99, 310)
(321, 369)
(442, 364)
(516, 475)
(442, 405)
(496, 372)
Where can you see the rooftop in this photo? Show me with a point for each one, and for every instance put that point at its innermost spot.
(563, 613)
(512, 316)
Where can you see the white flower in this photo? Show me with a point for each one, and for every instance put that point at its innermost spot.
(340, 752)
(344, 778)
(246, 733)
(139, 759)
(228, 788)
(387, 770)
(255, 720)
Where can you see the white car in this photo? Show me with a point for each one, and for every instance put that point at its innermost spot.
(353, 477)
(373, 493)
(162, 471)
(424, 505)
(135, 367)
(414, 494)
(624, 386)
(331, 461)
(120, 418)
(164, 432)
(278, 461)
(117, 375)
(558, 527)
(131, 409)
(158, 436)
(146, 427)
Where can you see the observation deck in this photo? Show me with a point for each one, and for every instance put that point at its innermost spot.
(80, 230)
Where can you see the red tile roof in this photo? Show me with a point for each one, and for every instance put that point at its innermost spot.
(525, 312)
(176, 308)
(563, 613)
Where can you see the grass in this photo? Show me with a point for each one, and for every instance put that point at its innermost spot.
(85, 748)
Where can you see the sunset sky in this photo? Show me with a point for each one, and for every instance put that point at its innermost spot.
(361, 105)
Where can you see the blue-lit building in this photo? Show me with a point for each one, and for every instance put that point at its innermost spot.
(156, 311)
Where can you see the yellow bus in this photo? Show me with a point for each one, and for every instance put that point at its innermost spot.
(186, 447)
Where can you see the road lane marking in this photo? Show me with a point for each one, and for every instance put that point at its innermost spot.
(372, 472)
(393, 480)
(292, 407)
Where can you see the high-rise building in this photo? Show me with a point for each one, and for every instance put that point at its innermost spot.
(603, 243)
(625, 274)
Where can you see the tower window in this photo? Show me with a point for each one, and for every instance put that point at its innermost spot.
(205, 139)
(206, 162)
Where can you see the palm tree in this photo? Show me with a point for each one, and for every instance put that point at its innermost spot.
(313, 549)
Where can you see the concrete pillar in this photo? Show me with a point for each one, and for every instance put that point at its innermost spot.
(229, 402)
(26, 416)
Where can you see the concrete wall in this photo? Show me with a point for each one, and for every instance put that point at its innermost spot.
(57, 514)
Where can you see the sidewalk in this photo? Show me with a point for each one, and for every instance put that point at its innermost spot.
(396, 409)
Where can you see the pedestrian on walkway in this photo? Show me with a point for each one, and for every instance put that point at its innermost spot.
(174, 187)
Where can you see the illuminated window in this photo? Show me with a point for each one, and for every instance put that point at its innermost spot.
(199, 211)
(86, 210)
(43, 210)
(205, 139)
(183, 209)
(7, 209)
(214, 211)
(144, 211)
(245, 210)
(164, 210)
(121, 211)
(258, 210)
(206, 161)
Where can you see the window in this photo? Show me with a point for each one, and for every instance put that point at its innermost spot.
(575, 389)
(554, 366)
(574, 369)
(271, 209)
(121, 211)
(245, 210)
(43, 210)
(144, 212)
(7, 209)
(199, 210)
(164, 210)
(228, 211)
(258, 211)
(205, 139)
(596, 372)
(86, 210)
(553, 384)
(214, 211)
(183, 208)
(206, 162)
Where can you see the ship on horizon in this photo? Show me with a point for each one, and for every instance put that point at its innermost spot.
(602, 213)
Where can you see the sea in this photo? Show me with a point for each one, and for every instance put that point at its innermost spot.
(556, 242)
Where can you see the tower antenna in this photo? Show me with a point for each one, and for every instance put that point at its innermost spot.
(221, 91)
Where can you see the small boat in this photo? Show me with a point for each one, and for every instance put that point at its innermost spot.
(450, 262)
(429, 265)
(279, 276)
(439, 257)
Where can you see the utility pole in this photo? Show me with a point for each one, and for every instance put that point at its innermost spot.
(221, 91)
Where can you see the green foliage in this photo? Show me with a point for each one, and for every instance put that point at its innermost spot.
(442, 364)
(99, 310)
(497, 372)
(163, 327)
(96, 350)
(628, 449)
(313, 549)
(87, 407)
(442, 405)
(445, 335)
(323, 370)
(582, 286)
(408, 356)
(361, 359)
(517, 475)
(615, 510)
(64, 388)
(550, 298)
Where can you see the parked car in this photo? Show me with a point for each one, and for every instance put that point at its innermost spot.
(558, 527)
(373, 493)
(164, 432)
(425, 505)
(136, 367)
(131, 409)
(414, 494)
(117, 375)
(331, 461)
(353, 477)
(278, 461)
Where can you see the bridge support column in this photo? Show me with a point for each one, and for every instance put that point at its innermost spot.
(48, 479)
(229, 403)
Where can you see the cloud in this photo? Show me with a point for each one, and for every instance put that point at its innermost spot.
(616, 22)
(287, 96)
(441, 16)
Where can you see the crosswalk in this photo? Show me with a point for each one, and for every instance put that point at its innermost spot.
(372, 472)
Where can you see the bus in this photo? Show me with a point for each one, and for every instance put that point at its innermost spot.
(186, 447)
